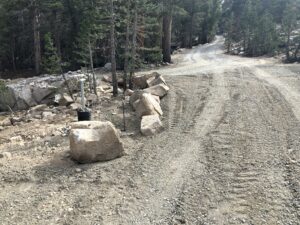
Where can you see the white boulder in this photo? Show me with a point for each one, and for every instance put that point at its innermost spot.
(93, 141)
(156, 80)
(159, 90)
(108, 66)
(141, 81)
(151, 125)
(147, 105)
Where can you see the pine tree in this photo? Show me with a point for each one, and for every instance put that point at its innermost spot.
(289, 23)
(51, 61)
(229, 34)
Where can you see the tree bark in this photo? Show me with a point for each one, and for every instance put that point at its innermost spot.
(288, 47)
(57, 31)
(191, 33)
(113, 49)
(297, 51)
(134, 46)
(167, 32)
(126, 60)
(13, 58)
(37, 39)
(92, 68)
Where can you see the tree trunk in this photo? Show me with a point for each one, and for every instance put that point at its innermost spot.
(297, 51)
(92, 68)
(113, 49)
(141, 36)
(57, 32)
(134, 46)
(191, 30)
(13, 58)
(167, 34)
(287, 49)
(37, 39)
(126, 60)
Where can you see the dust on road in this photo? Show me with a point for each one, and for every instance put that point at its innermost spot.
(230, 154)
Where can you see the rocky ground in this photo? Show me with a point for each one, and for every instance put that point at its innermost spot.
(229, 153)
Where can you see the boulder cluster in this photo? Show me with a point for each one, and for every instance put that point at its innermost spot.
(146, 101)
(23, 94)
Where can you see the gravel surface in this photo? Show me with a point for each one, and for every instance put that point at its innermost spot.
(229, 154)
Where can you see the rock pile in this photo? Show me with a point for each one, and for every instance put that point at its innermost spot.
(146, 101)
(25, 93)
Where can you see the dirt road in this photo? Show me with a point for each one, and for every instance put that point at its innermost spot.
(230, 154)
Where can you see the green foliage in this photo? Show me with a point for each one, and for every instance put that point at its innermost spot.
(74, 24)
(4, 94)
(229, 32)
(197, 21)
(3, 87)
(51, 61)
(251, 24)
(152, 55)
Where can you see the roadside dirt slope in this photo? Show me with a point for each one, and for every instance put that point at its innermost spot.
(229, 154)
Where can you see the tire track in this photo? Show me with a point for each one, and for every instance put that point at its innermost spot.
(245, 179)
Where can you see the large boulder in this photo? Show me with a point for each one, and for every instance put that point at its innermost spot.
(156, 81)
(151, 125)
(141, 81)
(93, 141)
(7, 98)
(159, 90)
(108, 79)
(108, 66)
(42, 92)
(136, 95)
(147, 105)
(23, 96)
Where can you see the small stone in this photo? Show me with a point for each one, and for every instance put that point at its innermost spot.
(128, 92)
(78, 170)
(55, 133)
(47, 115)
(75, 106)
(16, 139)
(38, 108)
(65, 100)
(39, 117)
(5, 155)
(6, 122)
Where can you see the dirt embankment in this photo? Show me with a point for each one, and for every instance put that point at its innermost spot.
(229, 154)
